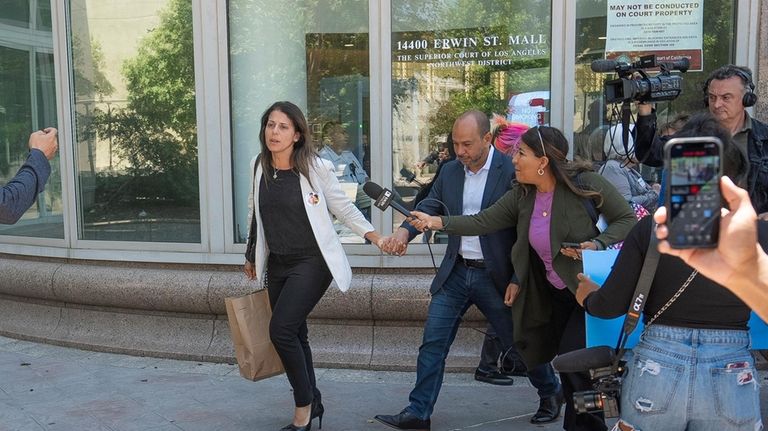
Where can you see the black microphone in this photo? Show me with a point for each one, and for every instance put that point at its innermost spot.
(383, 198)
(604, 66)
(682, 64)
(584, 359)
(410, 176)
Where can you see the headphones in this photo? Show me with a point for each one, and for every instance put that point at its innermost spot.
(749, 99)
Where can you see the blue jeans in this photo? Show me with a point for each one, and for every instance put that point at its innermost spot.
(464, 287)
(691, 379)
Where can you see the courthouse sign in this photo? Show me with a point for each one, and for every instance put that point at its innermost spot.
(466, 47)
(669, 29)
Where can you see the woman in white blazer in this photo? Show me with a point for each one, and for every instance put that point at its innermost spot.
(294, 246)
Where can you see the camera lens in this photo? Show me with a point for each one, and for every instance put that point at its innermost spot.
(588, 401)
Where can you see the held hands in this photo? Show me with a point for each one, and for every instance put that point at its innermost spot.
(388, 244)
(585, 287)
(392, 245)
(397, 244)
(423, 221)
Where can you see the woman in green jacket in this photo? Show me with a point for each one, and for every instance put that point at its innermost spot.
(553, 202)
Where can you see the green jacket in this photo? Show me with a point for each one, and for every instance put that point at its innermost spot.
(535, 338)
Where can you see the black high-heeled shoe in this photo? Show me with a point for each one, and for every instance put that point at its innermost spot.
(292, 427)
(317, 411)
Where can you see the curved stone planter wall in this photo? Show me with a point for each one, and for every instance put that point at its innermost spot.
(178, 311)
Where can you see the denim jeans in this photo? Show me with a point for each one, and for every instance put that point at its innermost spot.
(464, 287)
(691, 379)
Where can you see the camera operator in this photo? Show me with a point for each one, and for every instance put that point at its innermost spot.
(692, 368)
(728, 91)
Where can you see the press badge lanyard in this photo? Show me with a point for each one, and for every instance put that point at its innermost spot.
(641, 294)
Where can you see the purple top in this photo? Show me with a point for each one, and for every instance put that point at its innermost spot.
(538, 235)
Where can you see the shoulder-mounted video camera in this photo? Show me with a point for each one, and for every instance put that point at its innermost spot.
(605, 372)
(663, 86)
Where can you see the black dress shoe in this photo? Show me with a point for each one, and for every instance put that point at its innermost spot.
(404, 421)
(493, 377)
(549, 409)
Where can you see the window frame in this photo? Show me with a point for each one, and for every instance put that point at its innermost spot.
(211, 50)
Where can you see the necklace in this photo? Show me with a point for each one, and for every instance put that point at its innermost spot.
(275, 170)
(544, 203)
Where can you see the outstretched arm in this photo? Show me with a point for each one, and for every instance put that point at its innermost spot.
(19, 194)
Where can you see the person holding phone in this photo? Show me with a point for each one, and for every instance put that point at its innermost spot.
(692, 368)
(738, 262)
(547, 208)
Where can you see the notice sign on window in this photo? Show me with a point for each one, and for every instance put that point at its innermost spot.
(466, 47)
(669, 29)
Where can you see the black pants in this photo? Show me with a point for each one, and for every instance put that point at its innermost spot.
(568, 316)
(295, 283)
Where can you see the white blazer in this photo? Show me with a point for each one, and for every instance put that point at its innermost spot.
(330, 199)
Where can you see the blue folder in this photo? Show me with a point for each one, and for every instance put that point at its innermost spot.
(601, 332)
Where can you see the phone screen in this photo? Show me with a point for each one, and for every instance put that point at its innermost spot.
(692, 196)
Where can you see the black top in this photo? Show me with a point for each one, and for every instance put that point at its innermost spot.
(704, 304)
(286, 225)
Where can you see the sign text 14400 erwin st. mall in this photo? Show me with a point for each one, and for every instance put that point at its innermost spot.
(467, 47)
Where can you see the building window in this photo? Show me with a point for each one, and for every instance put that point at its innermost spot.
(314, 54)
(27, 103)
(449, 57)
(136, 149)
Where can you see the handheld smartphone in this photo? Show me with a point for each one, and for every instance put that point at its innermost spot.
(692, 193)
(570, 244)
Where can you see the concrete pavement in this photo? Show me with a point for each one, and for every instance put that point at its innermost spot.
(45, 387)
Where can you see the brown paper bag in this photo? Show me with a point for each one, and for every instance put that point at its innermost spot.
(249, 325)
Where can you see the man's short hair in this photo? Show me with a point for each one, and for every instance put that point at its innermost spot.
(729, 71)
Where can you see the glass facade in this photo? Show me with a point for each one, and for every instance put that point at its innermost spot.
(451, 57)
(314, 54)
(27, 103)
(138, 82)
(136, 163)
